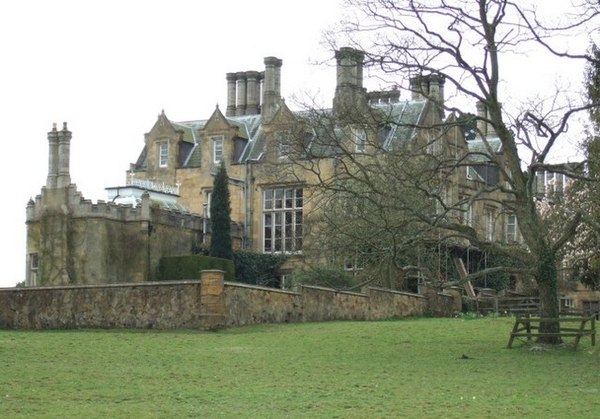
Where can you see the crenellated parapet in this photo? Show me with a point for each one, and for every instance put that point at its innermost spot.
(76, 206)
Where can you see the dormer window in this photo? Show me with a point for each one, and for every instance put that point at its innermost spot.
(217, 149)
(163, 154)
(284, 144)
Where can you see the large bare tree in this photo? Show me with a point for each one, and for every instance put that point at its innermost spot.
(467, 43)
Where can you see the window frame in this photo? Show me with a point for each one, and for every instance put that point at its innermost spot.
(359, 138)
(511, 231)
(489, 225)
(283, 220)
(217, 139)
(163, 154)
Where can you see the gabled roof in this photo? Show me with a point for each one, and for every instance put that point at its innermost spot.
(401, 121)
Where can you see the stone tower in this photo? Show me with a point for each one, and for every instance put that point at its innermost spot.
(48, 235)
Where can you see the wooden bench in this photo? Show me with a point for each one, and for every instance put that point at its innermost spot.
(528, 327)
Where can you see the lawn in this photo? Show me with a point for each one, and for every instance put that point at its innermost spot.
(404, 368)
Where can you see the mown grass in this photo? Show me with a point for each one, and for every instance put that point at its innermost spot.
(407, 368)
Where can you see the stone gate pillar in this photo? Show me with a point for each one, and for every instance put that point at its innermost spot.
(212, 298)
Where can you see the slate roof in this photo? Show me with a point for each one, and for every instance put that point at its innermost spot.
(402, 119)
(402, 124)
(482, 167)
(478, 145)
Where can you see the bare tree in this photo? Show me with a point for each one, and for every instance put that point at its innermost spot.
(465, 44)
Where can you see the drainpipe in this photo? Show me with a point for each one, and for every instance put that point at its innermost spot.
(246, 198)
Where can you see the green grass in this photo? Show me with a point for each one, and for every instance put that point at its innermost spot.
(410, 368)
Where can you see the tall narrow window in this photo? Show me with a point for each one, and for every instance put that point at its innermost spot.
(163, 154)
(208, 199)
(217, 149)
(284, 144)
(466, 211)
(511, 228)
(489, 225)
(34, 265)
(359, 136)
(283, 220)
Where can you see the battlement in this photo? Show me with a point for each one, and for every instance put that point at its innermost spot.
(69, 201)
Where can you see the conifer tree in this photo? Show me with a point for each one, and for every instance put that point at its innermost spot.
(220, 217)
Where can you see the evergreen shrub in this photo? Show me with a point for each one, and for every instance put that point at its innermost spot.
(258, 268)
(323, 276)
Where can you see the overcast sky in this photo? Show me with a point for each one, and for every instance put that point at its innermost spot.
(109, 67)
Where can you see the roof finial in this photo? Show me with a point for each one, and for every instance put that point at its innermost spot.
(54, 126)
(64, 126)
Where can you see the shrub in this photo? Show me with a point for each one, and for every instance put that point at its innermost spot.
(257, 268)
(175, 268)
(220, 217)
(323, 276)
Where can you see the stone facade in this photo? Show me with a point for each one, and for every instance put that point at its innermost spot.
(71, 240)
(257, 131)
(168, 188)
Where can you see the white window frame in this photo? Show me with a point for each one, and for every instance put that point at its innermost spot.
(217, 149)
(489, 225)
(163, 154)
(208, 198)
(466, 212)
(468, 175)
(283, 220)
(512, 231)
(359, 138)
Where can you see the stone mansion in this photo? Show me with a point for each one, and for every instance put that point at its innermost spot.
(163, 205)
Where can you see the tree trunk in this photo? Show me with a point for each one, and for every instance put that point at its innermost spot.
(547, 282)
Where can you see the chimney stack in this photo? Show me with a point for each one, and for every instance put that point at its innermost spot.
(484, 125)
(231, 93)
(52, 158)
(481, 118)
(240, 108)
(271, 86)
(252, 92)
(64, 156)
(349, 92)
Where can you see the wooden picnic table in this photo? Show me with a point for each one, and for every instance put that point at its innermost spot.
(529, 327)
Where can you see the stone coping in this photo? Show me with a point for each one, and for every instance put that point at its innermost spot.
(91, 286)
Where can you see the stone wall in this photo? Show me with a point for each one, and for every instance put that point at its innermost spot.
(206, 304)
(145, 306)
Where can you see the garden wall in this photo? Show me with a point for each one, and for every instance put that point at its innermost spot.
(204, 304)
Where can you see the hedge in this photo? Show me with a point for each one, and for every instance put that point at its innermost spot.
(175, 268)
